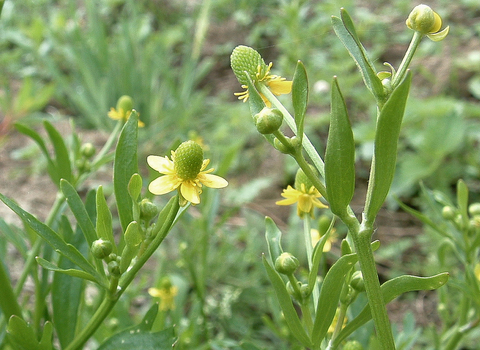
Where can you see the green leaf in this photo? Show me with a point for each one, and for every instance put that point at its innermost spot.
(133, 238)
(79, 211)
(273, 236)
(139, 336)
(62, 159)
(300, 96)
(52, 238)
(339, 155)
(67, 291)
(345, 30)
(462, 201)
(135, 186)
(104, 219)
(390, 290)
(255, 100)
(125, 165)
(329, 296)
(71, 272)
(23, 337)
(385, 153)
(286, 304)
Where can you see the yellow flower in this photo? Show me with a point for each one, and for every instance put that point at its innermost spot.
(247, 62)
(185, 171)
(315, 234)
(167, 296)
(276, 84)
(306, 200)
(123, 110)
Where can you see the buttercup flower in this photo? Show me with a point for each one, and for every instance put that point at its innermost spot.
(123, 110)
(245, 60)
(304, 194)
(427, 22)
(167, 293)
(185, 171)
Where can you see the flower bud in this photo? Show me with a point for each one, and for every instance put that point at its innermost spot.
(448, 213)
(114, 268)
(83, 165)
(474, 209)
(245, 60)
(268, 120)
(357, 282)
(101, 248)
(286, 264)
(87, 150)
(424, 20)
(148, 210)
(188, 160)
(125, 103)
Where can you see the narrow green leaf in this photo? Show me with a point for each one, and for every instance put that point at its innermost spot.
(71, 272)
(67, 291)
(135, 186)
(462, 201)
(286, 304)
(133, 238)
(339, 155)
(273, 236)
(52, 238)
(390, 290)
(125, 165)
(62, 158)
(300, 96)
(79, 211)
(385, 153)
(104, 219)
(329, 296)
(346, 32)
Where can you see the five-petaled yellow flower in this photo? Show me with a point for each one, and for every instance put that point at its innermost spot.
(185, 171)
(167, 293)
(306, 199)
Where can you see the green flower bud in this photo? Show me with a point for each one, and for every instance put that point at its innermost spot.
(125, 103)
(352, 345)
(448, 213)
(357, 282)
(302, 178)
(148, 210)
(286, 264)
(268, 120)
(112, 257)
(474, 209)
(114, 268)
(87, 150)
(188, 160)
(245, 60)
(101, 249)
(83, 165)
(424, 20)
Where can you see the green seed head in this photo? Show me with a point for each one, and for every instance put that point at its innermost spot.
(188, 160)
(125, 103)
(245, 59)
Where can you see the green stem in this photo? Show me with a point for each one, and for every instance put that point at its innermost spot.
(302, 163)
(364, 252)
(402, 69)
(307, 144)
(307, 228)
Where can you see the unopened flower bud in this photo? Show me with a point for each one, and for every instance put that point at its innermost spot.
(188, 160)
(148, 210)
(357, 282)
(352, 345)
(101, 248)
(87, 150)
(286, 264)
(83, 165)
(125, 103)
(424, 20)
(448, 213)
(114, 268)
(474, 209)
(268, 120)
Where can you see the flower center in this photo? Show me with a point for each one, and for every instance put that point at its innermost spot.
(188, 160)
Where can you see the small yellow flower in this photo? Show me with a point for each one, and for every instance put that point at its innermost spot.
(166, 294)
(245, 62)
(185, 171)
(306, 200)
(123, 110)
(332, 238)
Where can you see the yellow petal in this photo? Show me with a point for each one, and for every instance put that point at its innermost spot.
(190, 192)
(164, 184)
(212, 181)
(440, 35)
(280, 87)
(305, 203)
(288, 201)
(113, 114)
(161, 164)
(155, 292)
